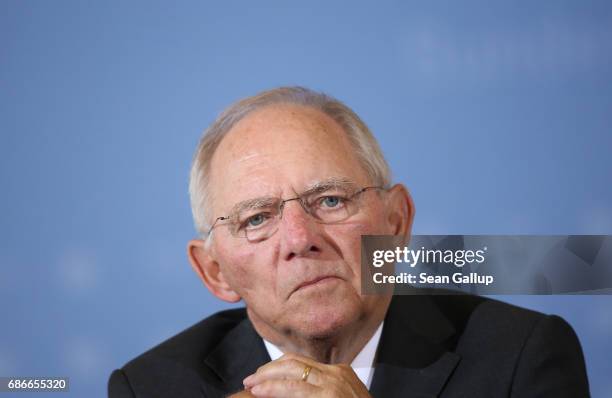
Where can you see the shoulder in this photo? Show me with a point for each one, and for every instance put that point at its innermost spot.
(479, 321)
(193, 344)
(178, 360)
(464, 313)
(437, 321)
(465, 310)
(519, 350)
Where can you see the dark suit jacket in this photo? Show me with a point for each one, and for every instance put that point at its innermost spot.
(431, 346)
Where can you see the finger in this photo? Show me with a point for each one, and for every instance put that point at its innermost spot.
(242, 394)
(324, 373)
(323, 369)
(288, 369)
(285, 389)
(306, 360)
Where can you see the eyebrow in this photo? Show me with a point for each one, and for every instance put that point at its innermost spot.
(329, 183)
(255, 203)
(341, 183)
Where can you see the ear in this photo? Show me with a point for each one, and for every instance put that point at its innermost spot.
(400, 211)
(209, 271)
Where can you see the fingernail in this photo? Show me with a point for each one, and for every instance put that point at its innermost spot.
(255, 390)
(247, 380)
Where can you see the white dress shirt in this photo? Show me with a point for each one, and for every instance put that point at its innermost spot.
(362, 364)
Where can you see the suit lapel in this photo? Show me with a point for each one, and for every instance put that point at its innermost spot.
(238, 355)
(412, 358)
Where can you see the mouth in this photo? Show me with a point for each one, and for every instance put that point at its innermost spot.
(316, 281)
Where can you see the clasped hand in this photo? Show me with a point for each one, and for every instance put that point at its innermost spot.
(286, 377)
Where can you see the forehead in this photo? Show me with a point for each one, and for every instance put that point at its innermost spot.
(279, 150)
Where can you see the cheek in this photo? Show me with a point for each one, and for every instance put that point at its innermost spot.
(242, 268)
(351, 232)
(347, 237)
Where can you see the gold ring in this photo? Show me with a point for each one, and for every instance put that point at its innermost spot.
(306, 372)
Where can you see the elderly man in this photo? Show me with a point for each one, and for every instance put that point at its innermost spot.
(283, 185)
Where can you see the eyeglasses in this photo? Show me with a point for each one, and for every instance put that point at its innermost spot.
(258, 219)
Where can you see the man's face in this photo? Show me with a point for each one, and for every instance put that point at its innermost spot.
(281, 151)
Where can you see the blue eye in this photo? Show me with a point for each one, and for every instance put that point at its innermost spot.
(331, 201)
(256, 220)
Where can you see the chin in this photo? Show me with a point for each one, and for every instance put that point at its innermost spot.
(322, 321)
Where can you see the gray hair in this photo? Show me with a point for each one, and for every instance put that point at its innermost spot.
(365, 145)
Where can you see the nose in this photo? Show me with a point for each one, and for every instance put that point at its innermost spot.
(299, 232)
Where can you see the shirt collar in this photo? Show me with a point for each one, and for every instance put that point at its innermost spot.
(362, 364)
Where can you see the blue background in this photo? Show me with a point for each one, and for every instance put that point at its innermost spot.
(497, 116)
